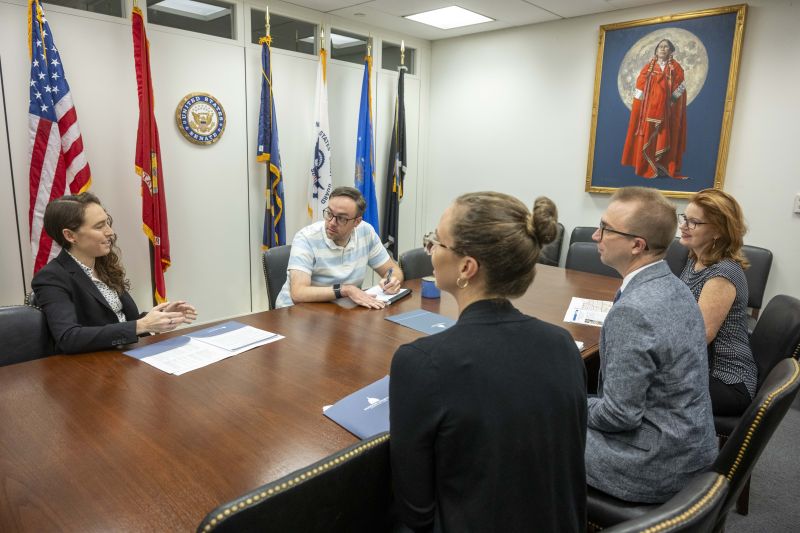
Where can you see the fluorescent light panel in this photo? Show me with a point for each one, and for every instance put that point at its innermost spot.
(448, 18)
(191, 9)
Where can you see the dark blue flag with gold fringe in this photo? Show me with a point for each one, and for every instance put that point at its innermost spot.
(365, 150)
(268, 152)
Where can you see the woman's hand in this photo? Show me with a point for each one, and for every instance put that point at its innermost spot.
(160, 320)
(180, 306)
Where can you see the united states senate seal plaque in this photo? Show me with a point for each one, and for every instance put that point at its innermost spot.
(200, 118)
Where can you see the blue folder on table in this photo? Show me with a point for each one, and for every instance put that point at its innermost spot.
(365, 412)
(423, 321)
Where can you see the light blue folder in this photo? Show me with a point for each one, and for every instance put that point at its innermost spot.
(423, 321)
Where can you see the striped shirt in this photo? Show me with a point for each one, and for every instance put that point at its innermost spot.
(731, 360)
(328, 263)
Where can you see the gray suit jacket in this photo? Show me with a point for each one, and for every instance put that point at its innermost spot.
(650, 426)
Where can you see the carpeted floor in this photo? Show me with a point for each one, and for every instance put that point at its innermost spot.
(775, 484)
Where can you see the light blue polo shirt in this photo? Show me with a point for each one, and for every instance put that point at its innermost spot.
(328, 263)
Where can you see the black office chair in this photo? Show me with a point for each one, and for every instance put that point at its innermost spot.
(30, 299)
(756, 426)
(275, 260)
(757, 276)
(416, 263)
(24, 334)
(677, 254)
(776, 337)
(582, 234)
(694, 509)
(551, 252)
(584, 256)
(349, 491)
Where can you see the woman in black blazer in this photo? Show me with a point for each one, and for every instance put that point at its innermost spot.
(488, 418)
(83, 291)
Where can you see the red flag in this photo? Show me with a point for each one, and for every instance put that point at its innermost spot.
(148, 163)
(57, 159)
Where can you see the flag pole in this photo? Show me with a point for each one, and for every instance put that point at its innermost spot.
(268, 38)
(402, 53)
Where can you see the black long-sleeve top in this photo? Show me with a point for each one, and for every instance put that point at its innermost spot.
(488, 426)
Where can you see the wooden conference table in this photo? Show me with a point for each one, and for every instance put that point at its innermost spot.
(103, 442)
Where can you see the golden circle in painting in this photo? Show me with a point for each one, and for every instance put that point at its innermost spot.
(690, 53)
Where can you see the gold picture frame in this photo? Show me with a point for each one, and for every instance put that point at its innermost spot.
(663, 118)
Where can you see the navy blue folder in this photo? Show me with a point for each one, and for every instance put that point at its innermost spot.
(365, 412)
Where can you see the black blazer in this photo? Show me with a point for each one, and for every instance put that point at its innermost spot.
(488, 422)
(79, 318)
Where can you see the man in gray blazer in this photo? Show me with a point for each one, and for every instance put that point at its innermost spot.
(650, 427)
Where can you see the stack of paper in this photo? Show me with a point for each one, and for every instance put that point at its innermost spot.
(179, 355)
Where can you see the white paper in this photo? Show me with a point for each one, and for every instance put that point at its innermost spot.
(587, 312)
(377, 292)
(238, 338)
(201, 348)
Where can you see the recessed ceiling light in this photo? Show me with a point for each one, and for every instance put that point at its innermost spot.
(338, 41)
(449, 17)
(191, 9)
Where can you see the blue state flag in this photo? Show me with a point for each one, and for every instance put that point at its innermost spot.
(365, 150)
(268, 152)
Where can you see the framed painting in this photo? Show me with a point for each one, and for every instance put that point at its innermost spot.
(663, 101)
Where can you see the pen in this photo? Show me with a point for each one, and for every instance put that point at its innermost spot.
(388, 276)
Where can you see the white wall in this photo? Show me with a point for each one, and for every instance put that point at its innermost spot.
(511, 111)
(215, 194)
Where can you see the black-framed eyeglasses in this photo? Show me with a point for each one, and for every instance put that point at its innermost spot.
(690, 223)
(340, 219)
(430, 240)
(604, 228)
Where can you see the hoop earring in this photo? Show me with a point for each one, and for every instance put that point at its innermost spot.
(458, 283)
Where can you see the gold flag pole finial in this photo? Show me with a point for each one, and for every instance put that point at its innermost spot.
(369, 45)
(322, 38)
(402, 53)
(266, 22)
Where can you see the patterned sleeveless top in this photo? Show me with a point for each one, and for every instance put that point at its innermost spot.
(730, 358)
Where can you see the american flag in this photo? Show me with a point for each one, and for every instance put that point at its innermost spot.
(57, 157)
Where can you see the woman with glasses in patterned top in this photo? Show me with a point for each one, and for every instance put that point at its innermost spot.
(488, 417)
(712, 229)
(83, 291)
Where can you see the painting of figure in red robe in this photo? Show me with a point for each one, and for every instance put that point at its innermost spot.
(663, 103)
(656, 137)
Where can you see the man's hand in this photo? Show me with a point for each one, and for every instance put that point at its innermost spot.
(391, 285)
(362, 298)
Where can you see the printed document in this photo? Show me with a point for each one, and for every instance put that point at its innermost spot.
(587, 312)
(179, 355)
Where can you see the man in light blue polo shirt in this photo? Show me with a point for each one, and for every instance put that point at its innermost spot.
(329, 258)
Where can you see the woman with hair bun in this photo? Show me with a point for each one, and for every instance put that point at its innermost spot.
(712, 229)
(83, 291)
(488, 418)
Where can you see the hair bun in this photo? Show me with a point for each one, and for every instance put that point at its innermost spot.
(543, 223)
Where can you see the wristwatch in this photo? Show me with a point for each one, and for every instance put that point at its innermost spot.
(337, 290)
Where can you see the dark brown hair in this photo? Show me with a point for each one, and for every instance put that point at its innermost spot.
(724, 214)
(67, 212)
(504, 237)
(654, 218)
(355, 195)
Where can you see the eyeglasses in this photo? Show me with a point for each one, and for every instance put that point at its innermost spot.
(689, 222)
(340, 219)
(430, 240)
(604, 228)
